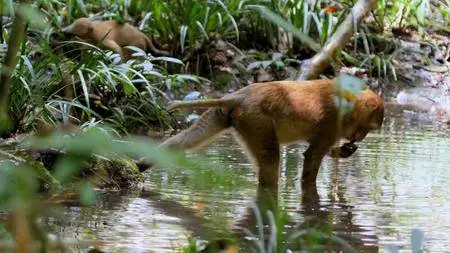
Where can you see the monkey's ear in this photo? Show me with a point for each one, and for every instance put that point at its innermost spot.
(375, 113)
(371, 105)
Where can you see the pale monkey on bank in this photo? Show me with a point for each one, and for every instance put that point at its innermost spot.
(113, 36)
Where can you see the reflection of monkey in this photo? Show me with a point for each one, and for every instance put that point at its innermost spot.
(266, 115)
(317, 214)
(113, 36)
(316, 218)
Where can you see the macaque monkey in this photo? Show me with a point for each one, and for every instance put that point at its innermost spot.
(265, 115)
(113, 36)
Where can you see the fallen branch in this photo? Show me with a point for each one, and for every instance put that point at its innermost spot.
(313, 67)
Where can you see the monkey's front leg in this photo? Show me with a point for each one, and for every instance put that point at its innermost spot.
(317, 149)
(113, 46)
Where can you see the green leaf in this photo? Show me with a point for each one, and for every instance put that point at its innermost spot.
(254, 65)
(87, 194)
(350, 83)
(377, 63)
(84, 87)
(168, 59)
(276, 19)
(346, 92)
(33, 16)
(202, 29)
(183, 35)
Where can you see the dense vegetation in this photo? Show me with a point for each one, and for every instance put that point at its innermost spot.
(224, 41)
(215, 46)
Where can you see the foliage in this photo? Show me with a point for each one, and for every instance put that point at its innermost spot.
(389, 13)
(48, 86)
(180, 23)
(277, 62)
(184, 26)
(185, 22)
(421, 13)
(346, 91)
(98, 87)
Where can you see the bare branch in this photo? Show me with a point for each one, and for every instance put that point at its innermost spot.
(313, 67)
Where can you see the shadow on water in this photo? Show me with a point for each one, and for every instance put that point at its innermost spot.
(396, 181)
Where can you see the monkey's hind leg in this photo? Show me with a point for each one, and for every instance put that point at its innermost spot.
(264, 147)
(210, 124)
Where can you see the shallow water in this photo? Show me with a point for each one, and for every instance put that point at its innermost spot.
(398, 180)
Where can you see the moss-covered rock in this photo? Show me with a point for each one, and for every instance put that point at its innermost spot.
(112, 172)
(116, 172)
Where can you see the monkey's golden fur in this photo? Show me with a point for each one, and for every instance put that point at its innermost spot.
(112, 35)
(265, 115)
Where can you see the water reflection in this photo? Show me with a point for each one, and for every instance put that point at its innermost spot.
(337, 216)
(396, 181)
(318, 217)
(129, 221)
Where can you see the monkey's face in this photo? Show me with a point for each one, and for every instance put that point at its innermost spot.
(368, 115)
(82, 28)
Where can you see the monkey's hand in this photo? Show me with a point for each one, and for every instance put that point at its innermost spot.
(344, 151)
(143, 164)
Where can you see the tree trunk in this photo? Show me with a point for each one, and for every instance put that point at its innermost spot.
(313, 67)
(9, 64)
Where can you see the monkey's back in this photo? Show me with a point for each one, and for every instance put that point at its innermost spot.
(123, 35)
(296, 108)
(306, 99)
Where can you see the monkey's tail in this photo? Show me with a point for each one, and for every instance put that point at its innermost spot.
(152, 47)
(198, 104)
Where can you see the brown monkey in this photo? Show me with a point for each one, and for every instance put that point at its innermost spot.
(113, 36)
(265, 115)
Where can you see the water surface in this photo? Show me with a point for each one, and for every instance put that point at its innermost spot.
(398, 180)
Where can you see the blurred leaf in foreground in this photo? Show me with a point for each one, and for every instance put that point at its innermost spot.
(346, 92)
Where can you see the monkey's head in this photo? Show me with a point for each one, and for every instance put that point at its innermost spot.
(367, 115)
(82, 28)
